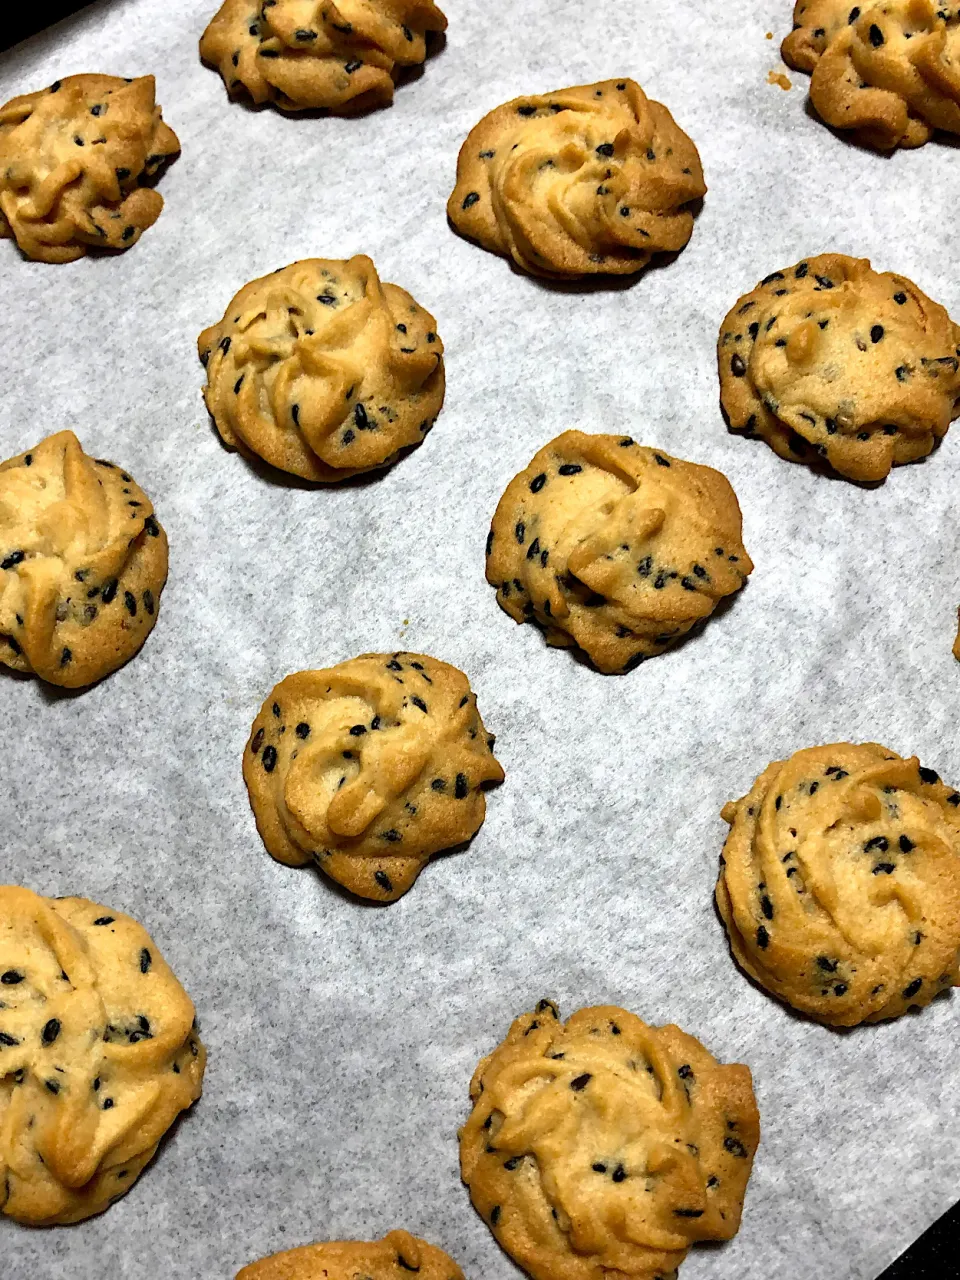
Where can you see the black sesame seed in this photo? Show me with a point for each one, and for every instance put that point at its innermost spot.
(8, 1040)
(735, 1147)
(526, 111)
(878, 842)
(470, 200)
(11, 978)
(151, 526)
(766, 906)
(108, 591)
(66, 656)
(876, 36)
(580, 1082)
(537, 483)
(520, 531)
(130, 601)
(876, 333)
(840, 989)
(269, 758)
(419, 702)
(494, 1215)
(257, 742)
(899, 299)
(605, 149)
(383, 880)
(460, 787)
(884, 868)
(53, 1086)
(357, 730)
(360, 417)
(570, 469)
(354, 65)
(438, 784)
(146, 960)
(50, 1031)
(906, 844)
(302, 730)
(929, 775)
(913, 988)
(619, 1173)
(737, 367)
(102, 920)
(148, 601)
(826, 964)
(763, 938)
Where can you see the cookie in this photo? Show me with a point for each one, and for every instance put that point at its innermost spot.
(73, 159)
(615, 547)
(832, 360)
(392, 1258)
(840, 883)
(344, 57)
(594, 179)
(369, 768)
(83, 560)
(98, 1052)
(603, 1147)
(323, 371)
(886, 71)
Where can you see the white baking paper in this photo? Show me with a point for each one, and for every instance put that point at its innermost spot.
(342, 1036)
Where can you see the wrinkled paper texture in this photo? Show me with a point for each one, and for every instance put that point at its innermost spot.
(342, 1036)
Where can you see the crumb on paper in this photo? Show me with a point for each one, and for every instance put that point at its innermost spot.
(956, 643)
(777, 77)
(769, 35)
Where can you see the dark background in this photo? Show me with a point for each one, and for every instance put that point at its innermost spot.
(936, 1255)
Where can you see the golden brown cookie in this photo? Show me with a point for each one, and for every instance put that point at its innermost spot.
(341, 56)
(840, 883)
(323, 371)
(98, 1055)
(614, 547)
(830, 359)
(392, 1258)
(602, 1147)
(889, 71)
(597, 178)
(369, 768)
(72, 160)
(82, 563)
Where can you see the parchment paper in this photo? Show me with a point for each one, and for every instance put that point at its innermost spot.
(342, 1036)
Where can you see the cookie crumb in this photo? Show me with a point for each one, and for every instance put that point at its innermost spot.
(778, 78)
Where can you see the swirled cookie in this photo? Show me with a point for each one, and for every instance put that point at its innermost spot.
(392, 1258)
(890, 71)
(82, 563)
(603, 1147)
(72, 160)
(614, 547)
(369, 768)
(322, 370)
(593, 179)
(840, 883)
(98, 1055)
(830, 359)
(342, 56)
